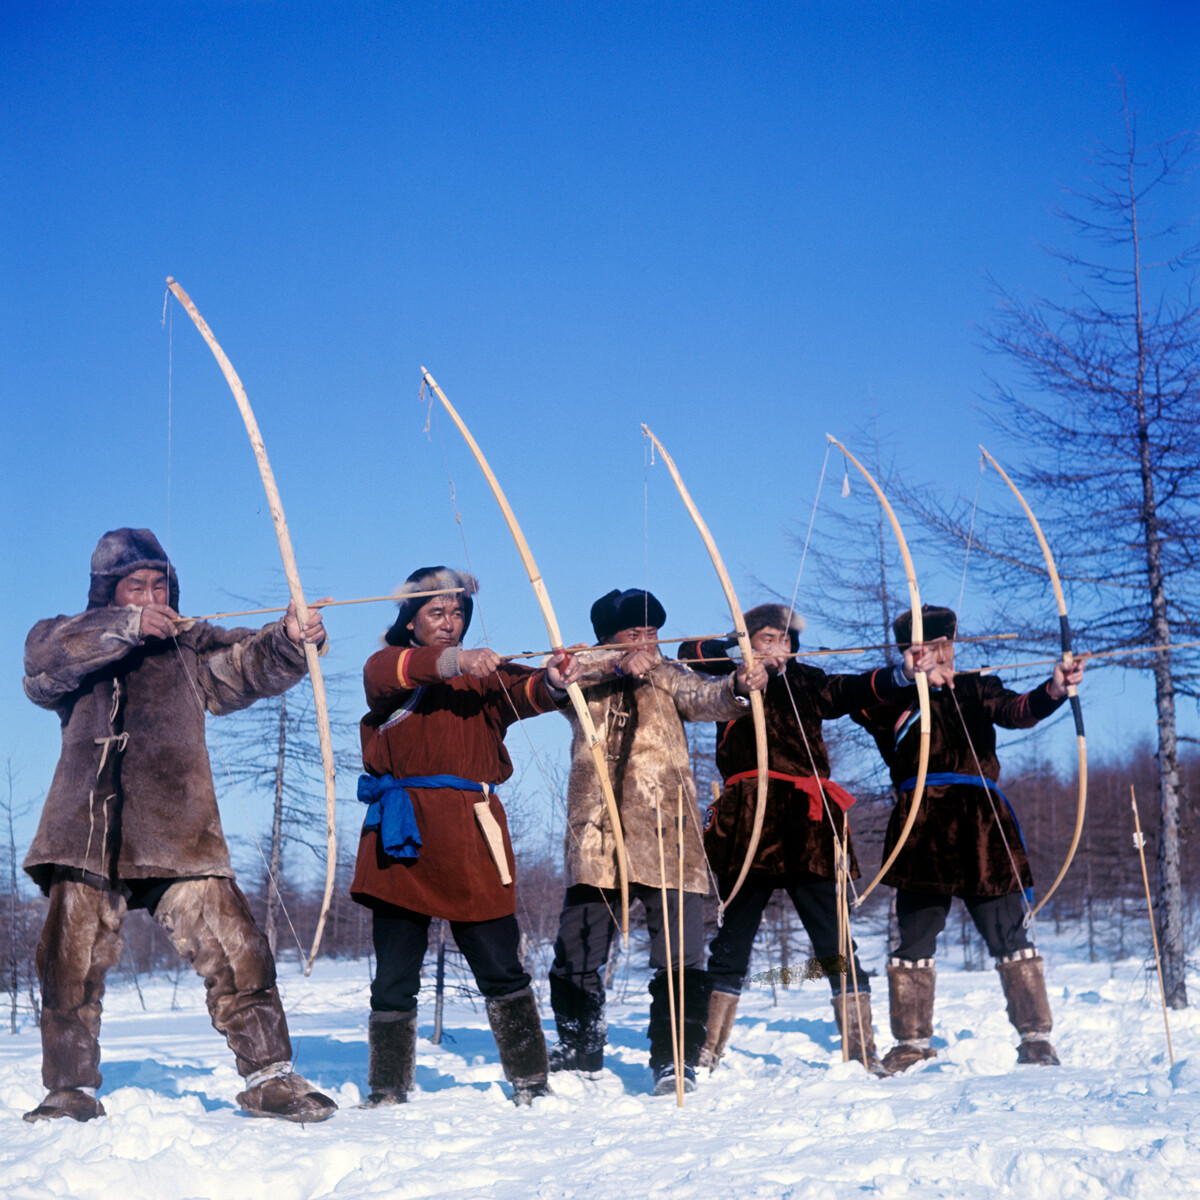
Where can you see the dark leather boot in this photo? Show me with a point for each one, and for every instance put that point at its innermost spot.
(517, 1028)
(391, 1057)
(910, 1005)
(1024, 984)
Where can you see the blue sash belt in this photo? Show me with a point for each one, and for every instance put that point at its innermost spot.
(390, 808)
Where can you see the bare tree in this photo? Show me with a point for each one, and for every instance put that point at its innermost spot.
(1109, 418)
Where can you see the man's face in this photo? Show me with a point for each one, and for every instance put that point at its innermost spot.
(438, 622)
(773, 647)
(141, 588)
(635, 633)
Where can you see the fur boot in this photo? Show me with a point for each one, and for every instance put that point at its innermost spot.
(859, 1040)
(77, 1103)
(722, 1009)
(391, 1057)
(910, 1006)
(277, 1091)
(582, 1028)
(1024, 985)
(517, 1028)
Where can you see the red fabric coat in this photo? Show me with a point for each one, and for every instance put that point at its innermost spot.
(422, 724)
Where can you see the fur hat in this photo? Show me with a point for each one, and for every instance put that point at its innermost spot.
(776, 616)
(936, 622)
(631, 609)
(120, 552)
(430, 579)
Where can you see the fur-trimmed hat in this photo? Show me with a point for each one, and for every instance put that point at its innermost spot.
(776, 616)
(120, 552)
(936, 622)
(634, 608)
(430, 579)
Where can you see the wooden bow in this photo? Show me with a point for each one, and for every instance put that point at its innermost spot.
(297, 593)
(756, 700)
(595, 745)
(918, 636)
(1064, 627)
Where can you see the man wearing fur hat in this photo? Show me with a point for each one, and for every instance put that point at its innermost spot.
(435, 840)
(638, 701)
(805, 819)
(131, 820)
(965, 842)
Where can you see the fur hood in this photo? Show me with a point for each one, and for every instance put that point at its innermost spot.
(120, 552)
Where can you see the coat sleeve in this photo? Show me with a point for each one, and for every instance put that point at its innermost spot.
(526, 694)
(239, 666)
(834, 696)
(1013, 710)
(62, 651)
(697, 698)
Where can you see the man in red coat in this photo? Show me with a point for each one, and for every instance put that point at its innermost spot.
(965, 842)
(435, 841)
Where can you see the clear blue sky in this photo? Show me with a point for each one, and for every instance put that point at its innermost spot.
(745, 224)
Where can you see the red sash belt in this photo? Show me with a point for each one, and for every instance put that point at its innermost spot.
(808, 785)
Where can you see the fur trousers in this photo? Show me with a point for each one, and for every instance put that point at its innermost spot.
(208, 922)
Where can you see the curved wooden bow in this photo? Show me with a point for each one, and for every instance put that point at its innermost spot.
(739, 625)
(918, 636)
(297, 593)
(1064, 626)
(595, 745)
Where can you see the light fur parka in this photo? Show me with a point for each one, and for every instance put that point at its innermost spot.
(640, 723)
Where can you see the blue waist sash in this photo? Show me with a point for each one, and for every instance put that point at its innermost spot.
(390, 808)
(942, 778)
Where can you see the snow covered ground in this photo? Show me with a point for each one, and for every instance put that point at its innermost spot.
(782, 1117)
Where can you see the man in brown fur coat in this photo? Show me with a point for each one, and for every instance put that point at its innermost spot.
(638, 701)
(131, 820)
(965, 840)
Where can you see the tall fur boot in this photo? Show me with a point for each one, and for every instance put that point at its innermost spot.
(858, 1032)
(582, 1028)
(722, 1009)
(910, 1006)
(1024, 984)
(517, 1028)
(391, 1057)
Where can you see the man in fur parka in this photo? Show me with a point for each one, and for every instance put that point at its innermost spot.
(131, 820)
(638, 702)
(435, 840)
(806, 816)
(965, 841)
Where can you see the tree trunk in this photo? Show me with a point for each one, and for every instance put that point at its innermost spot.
(1170, 891)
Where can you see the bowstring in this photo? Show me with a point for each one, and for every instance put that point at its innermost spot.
(168, 322)
(431, 420)
(1012, 858)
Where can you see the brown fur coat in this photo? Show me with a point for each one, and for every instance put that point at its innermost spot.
(132, 796)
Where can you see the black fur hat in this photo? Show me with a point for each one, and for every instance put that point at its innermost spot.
(776, 616)
(631, 609)
(937, 623)
(429, 579)
(120, 552)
